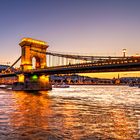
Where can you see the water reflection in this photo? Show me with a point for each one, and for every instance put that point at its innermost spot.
(30, 117)
(30, 110)
(45, 115)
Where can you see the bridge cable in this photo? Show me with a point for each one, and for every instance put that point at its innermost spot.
(82, 57)
(13, 64)
(62, 55)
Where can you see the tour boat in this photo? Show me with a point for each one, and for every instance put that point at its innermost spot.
(5, 87)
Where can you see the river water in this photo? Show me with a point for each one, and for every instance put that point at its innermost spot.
(75, 113)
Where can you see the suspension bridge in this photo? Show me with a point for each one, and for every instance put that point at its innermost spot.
(48, 63)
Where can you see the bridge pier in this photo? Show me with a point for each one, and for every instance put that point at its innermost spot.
(32, 82)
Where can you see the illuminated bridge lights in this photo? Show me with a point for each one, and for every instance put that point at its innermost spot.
(34, 77)
(44, 79)
(21, 78)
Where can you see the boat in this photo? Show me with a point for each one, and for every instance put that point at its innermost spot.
(5, 87)
(61, 86)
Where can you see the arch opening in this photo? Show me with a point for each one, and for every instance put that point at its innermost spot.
(36, 63)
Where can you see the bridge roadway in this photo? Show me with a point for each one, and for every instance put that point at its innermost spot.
(118, 65)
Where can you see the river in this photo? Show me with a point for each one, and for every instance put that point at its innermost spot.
(75, 113)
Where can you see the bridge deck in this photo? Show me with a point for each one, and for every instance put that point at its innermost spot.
(115, 65)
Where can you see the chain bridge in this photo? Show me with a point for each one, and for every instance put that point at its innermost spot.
(36, 60)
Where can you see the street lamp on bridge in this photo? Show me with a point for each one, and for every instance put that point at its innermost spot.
(124, 52)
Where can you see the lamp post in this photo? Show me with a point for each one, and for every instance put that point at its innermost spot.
(124, 52)
(8, 63)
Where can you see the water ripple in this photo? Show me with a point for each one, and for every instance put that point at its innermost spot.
(76, 113)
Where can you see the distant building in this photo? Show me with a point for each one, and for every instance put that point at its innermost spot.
(128, 80)
(7, 80)
(78, 79)
(3, 67)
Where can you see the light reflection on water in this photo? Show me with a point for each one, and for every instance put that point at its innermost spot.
(75, 113)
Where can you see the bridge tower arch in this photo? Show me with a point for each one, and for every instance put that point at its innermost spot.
(31, 48)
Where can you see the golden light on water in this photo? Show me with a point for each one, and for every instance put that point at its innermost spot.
(29, 110)
(80, 112)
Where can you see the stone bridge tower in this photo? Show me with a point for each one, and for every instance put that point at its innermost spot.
(31, 48)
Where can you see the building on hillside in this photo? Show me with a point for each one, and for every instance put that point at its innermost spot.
(78, 79)
(7, 80)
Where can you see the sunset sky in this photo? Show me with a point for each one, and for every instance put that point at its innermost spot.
(97, 27)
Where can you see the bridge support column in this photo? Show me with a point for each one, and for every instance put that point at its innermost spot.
(32, 82)
(26, 61)
(33, 49)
